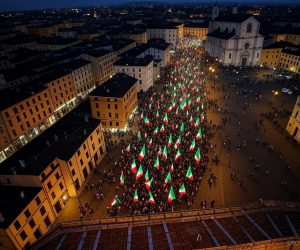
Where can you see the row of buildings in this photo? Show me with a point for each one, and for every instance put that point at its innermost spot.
(38, 180)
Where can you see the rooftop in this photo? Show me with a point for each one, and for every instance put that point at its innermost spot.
(61, 141)
(117, 86)
(225, 35)
(129, 61)
(10, 97)
(12, 204)
(197, 25)
(57, 40)
(233, 18)
(98, 53)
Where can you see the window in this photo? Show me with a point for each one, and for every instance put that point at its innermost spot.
(57, 176)
(116, 106)
(87, 154)
(81, 162)
(47, 221)
(32, 223)
(117, 124)
(17, 225)
(61, 186)
(98, 113)
(73, 172)
(246, 46)
(108, 106)
(249, 28)
(109, 115)
(6, 114)
(53, 195)
(229, 55)
(15, 110)
(117, 115)
(49, 185)
(97, 105)
(38, 201)
(257, 55)
(23, 235)
(110, 123)
(27, 213)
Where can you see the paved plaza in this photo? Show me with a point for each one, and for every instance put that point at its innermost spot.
(256, 160)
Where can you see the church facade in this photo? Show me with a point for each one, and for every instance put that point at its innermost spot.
(234, 39)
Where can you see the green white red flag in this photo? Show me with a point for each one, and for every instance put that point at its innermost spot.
(162, 129)
(149, 183)
(147, 122)
(189, 174)
(115, 201)
(197, 123)
(136, 196)
(178, 154)
(170, 141)
(168, 178)
(182, 190)
(165, 153)
(128, 149)
(142, 153)
(156, 164)
(133, 167)
(139, 174)
(156, 131)
(147, 175)
(171, 196)
(122, 179)
(199, 134)
(151, 199)
(193, 145)
(198, 156)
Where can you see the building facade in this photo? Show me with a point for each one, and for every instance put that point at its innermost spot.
(139, 68)
(235, 40)
(115, 106)
(293, 127)
(196, 30)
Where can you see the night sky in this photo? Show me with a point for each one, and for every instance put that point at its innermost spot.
(39, 4)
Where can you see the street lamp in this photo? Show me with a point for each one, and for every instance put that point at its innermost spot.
(275, 93)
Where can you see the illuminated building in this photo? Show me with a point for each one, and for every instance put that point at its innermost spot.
(293, 127)
(114, 101)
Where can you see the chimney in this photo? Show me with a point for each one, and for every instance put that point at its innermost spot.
(22, 163)
(22, 194)
(55, 137)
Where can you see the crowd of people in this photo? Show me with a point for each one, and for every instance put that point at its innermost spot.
(164, 163)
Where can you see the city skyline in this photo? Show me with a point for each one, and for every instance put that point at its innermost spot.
(17, 5)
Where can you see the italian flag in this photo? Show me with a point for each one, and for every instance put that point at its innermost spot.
(191, 120)
(151, 199)
(178, 154)
(147, 175)
(182, 191)
(156, 131)
(168, 178)
(177, 112)
(165, 153)
(173, 103)
(142, 153)
(122, 179)
(171, 196)
(183, 104)
(198, 109)
(162, 129)
(170, 141)
(197, 123)
(128, 149)
(199, 135)
(139, 174)
(157, 114)
(150, 142)
(115, 201)
(202, 117)
(192, 147)
(182, 127)
(149, 184)
(198, 156)
(133, 167)
(165, 118)
(139, 135)
(189, 174)
(156, 164)
(159, 151)
(170, 109)
(147, 122)
(178, 142)
(198, 100)
(172, 168)
(202, 106)
(135, 197)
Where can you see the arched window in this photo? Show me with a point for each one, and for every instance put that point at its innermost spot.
(229, 55)
(249, 28)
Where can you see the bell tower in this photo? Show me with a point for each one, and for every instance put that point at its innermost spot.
(215, 11)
